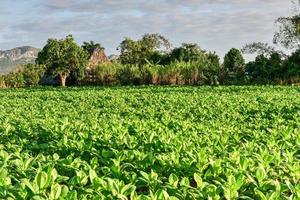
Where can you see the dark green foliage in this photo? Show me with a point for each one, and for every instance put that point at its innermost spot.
(257, 69)
(292, 67)
(234, 60)
(187, 53)
(234, 67)
(213, 68)
(274, 69)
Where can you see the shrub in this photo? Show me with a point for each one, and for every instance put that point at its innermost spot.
(14, 80)
(32, 74)
(106, 74)
(2, 82)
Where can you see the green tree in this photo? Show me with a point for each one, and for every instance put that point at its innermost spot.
(140, 51)
(214, 60)
(276, 66)
(213, 68)
(261, 49)
(188, 52)
(63, 57)
(234, 60)
(258, 69)
(233, 66)
(266, 69)
(292, 65)
(288, 34)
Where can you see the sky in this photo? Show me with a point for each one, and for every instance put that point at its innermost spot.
(216, 25)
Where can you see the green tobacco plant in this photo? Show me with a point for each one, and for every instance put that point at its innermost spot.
(150, 142)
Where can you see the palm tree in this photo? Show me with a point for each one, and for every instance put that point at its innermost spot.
(91, 46)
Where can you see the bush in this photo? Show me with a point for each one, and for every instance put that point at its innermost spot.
(2, 82)
(189, 73)
(128, 74)
(14, 80)
(168, 75)
(106, 74)
(32, 74)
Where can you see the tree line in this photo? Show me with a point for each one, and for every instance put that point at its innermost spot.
(152, 60)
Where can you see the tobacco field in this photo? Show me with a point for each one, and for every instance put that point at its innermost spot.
(150, 143)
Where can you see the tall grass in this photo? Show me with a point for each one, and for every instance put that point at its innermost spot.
(176, 73)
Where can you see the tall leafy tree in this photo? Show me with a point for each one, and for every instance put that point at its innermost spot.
(233, 67)
(261, 48)
(288, 34)
(213, 68)
(187, 52)
(257, 69)
(214, 60)
(276, 66)
(266, 69)
(139, 51)
(234, 60)
(63, 57)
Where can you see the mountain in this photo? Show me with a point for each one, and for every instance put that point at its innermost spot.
(11, 59)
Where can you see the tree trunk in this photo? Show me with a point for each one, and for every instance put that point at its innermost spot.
(62, 78)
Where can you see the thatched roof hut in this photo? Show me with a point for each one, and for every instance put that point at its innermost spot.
(97, 57)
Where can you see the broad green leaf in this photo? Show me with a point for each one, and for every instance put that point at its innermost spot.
(128, 189)
(64, 191)
(55, 156)
(185, 182)
(55, 191)
(92, 175)
(162, 195)
(198, 180)
(72, 195)
(145, 175)
(41, 180)
(260, 175)
(261, 195)
(173, 180)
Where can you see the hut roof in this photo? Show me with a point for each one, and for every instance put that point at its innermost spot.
(97, 57)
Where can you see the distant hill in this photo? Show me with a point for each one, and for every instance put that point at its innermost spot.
(11, 59)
